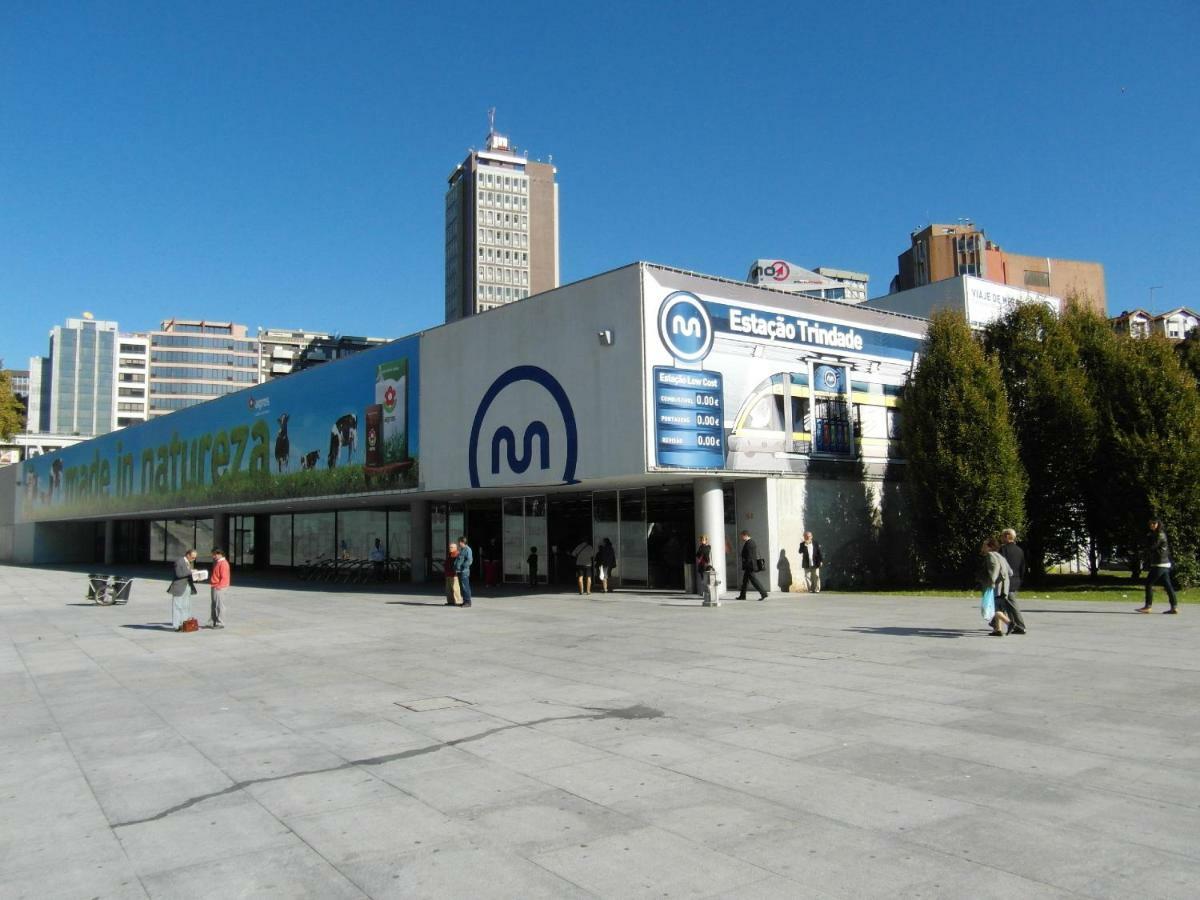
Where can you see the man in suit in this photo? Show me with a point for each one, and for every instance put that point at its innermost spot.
(750, 567)
(810, 561)
(1007, 603)
(181, 590)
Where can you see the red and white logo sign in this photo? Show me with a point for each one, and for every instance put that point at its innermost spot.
(779, 270)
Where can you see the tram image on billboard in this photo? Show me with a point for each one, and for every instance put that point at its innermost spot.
(793, 416)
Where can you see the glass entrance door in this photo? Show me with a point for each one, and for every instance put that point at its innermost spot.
(242, 532)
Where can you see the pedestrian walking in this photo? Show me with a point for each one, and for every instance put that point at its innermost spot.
(584, 556)
(703, 563)
(453, 591)
(606, 561)
(532, 562)
(992, 577)
(1157, 556)
(1007, 603)
(462, 568)
(181, 589)
(219, 581)
(378, 557)
(810, 561)
(751, 564)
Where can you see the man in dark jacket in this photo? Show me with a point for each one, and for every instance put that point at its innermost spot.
(811, 560)
(750, 567)
(1158, 568)
(1007, 603)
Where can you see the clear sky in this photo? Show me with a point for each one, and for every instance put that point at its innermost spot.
(284, 165)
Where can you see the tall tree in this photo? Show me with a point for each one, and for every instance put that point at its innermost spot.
(1148, 440)
(963, 472)
(1188, 351)
(12, 416)
(1048, 399)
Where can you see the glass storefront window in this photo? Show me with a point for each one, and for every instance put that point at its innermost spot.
(158, 541)
(204, 541)
(312, 537)
(512, 526)
(281, 540)
(670, 537)
(536, 535)
(399, 542)
(631, 552)
(358, 530)
(605, 524)
(181, 537)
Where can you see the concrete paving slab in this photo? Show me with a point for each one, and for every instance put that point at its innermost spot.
(293, 872)
(855, 747)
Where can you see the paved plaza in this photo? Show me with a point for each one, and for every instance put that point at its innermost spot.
(351, 744)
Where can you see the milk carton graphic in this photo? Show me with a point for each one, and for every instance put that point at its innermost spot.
(391, 393)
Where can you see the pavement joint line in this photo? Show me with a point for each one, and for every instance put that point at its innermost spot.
(598, 713)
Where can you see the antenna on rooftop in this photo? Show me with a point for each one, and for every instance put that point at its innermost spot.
(491, 120)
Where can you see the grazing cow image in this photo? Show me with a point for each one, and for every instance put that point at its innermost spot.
(331, 458)
(309, 460)
(347, 429)
(283, 446)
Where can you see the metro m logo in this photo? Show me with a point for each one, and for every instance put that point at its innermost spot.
(687, 327)
(504, 435)
(684, 327)
(531, 394)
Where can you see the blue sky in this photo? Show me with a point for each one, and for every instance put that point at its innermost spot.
(285, 164)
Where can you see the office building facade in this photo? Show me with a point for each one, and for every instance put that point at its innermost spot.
(72, 390)
(283, 351)
(501, 229)
(938, 252)
(192, 360)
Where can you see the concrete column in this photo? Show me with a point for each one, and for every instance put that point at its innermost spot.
(418, 524)
(220, 534)
(110, 541)
(709, 501)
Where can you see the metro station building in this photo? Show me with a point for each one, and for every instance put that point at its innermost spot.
(647, 405)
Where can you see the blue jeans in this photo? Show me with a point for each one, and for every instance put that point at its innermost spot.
(464, 584)
(1155, 575)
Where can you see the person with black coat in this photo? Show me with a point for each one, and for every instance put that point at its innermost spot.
(1007, 602)
(750, 567)
(1158, 568)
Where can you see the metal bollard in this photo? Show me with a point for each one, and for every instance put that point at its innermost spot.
(712, 592)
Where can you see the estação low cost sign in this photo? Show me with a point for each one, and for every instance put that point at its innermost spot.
(688, 424)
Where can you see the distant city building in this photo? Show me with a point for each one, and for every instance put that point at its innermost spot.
(939, 252)
(285, 350)
(501, 229)
(857, 284)
(981, 301)
(827, 284)
(1173, 325)
(133, 379)
(72, 390)
(19, 380)
(193, 360)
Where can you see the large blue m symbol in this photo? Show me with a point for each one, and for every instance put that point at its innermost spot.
(504, 435)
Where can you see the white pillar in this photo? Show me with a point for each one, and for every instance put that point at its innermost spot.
(418, 535)
(110, 541)
(709, 500)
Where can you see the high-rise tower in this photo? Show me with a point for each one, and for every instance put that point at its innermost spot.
(501, 228)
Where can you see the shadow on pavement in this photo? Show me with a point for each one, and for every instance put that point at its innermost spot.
(166, 626)
(916, 632)
(1082, 612)
(416, 603)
